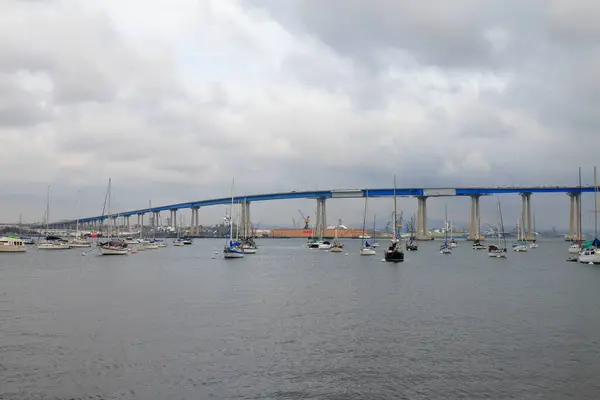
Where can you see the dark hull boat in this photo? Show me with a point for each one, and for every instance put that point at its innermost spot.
(394, 254)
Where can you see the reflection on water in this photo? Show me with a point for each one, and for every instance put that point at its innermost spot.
(293, 323)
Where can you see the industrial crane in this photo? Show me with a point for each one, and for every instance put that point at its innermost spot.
(306, 220)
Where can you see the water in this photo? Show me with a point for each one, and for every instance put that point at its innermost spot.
(293, 323)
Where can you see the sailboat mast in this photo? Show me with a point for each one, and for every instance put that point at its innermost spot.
(47, 209)
(374, 235)
(501, 227)
(579, 234)
(446, 223)
(595, 204)
(77, 224)
(365, 217)
(231, 210)
(108, 212)
(394, 239)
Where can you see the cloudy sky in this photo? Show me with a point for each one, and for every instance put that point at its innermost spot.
(173, 99)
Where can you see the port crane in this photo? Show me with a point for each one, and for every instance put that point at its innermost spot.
(306, 220)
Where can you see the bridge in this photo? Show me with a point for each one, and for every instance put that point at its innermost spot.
(422, 194)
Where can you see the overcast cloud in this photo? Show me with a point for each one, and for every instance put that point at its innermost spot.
(174, 99)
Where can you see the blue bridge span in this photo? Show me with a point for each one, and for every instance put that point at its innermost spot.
(321, 195)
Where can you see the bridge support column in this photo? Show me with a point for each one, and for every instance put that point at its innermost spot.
(579, 230)
(127, 225)
(574, 216)
(475, 220)
(422, 231)
(526, 216)
(194, 231)
(174, 219)
(321, 222)
(138, 221)
(245, 221)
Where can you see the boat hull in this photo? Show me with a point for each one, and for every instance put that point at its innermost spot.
(79, 245)
(574, 249)
(108, 251)
(497, 254)
(12, 249)
(446, 251)
(336, 250)
(250, 250)
(589, 256)
(520, 248)
(394, 256)
(367, 252)
(53, 246)
(233, 254)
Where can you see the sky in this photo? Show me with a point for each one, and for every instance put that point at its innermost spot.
(173, 100)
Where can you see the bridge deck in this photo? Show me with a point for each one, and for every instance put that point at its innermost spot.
(354, 193)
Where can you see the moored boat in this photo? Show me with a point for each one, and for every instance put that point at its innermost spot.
(394, 252)
(11, 244)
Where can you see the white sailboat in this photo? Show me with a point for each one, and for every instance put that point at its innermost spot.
(178, 241)
(112, 247)
(337, 246)
(232, 249)
(521, 245)
(365, 248)
(445, 248)
(453, 243)
(499, 249)
(590, 253)
(79, 241)
(51, 242)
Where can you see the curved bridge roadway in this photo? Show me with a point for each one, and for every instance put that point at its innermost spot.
(321, 195)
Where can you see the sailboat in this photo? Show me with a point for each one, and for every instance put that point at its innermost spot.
(232, 249)
(51, 242)
(445, 248)
(521, 244)
(178, 241)
(79, 241)
(590, 251)
(575, 246)
(453, 243)
(147, 244)
(112, 247)
(499, 249)
(374, 243)
(412, 245)
(365, 248)
(394, 253)
(337, 246)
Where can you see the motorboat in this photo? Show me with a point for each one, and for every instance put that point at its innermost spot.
(453, 243)
(27, 240)
(11, 244)
(53, 243)
(131, 241)
(79, 242)
(590, 255)
(325, 245)
(178, 242)
(575, 248)
(533, 245)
